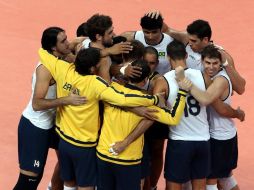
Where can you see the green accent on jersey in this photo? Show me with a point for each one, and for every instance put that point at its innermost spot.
(162, 54)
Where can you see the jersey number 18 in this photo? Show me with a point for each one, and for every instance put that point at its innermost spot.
(192, 107)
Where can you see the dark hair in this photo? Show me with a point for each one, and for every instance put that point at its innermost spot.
(119, 39)
(151, 50)
(137, 51)
(200, 28)
(82, 30)
(86, 59)
(176, 50)
(211, 51)
(98, 24)
(149, 23)
(49, 38)
(145, 70)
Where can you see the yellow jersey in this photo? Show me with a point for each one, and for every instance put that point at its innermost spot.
(79, 125)
(118, 124)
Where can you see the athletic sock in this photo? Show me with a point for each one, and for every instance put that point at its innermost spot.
(228, 183)
(69, 188)
(211, 187)
(27, 182)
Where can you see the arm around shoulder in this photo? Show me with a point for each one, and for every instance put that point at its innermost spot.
(238, 82)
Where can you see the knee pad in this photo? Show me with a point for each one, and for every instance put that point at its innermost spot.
(69, 188)
(211, 187)
(227, 183)
(27, 182)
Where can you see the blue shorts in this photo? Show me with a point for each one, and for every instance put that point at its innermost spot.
(113, 176)
(187, 160)
(224, 156)
(77, 163)
(33, 145)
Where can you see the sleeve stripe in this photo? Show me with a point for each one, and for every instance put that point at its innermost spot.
(150, 97)
(177, 101)
(182, 92)
(103, 81)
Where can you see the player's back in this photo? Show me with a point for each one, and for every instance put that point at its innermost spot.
(193, 125)
(117, 125)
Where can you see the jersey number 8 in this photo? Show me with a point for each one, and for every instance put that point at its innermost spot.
(192, 107)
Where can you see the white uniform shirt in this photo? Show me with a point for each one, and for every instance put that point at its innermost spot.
(86, 43)
(193, 125)
(194, 60)
(222, 128)
(164, 65)
(41, 119)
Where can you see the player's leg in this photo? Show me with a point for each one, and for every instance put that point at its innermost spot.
(33, 144)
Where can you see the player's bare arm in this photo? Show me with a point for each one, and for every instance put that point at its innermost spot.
(212, 93)
(238, 82)
(120, 146)
(161, 86)
(43, 81)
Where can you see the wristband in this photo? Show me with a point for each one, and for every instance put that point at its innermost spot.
(122, 70)
(225, 63)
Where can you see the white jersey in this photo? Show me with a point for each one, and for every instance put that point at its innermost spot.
(86, 43)
(41, 119)
(193, 125)
(222, 128)
(194, 60)
(164, 65)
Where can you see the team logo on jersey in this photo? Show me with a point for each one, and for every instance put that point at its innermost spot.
(162, 54)
(192, 57)
(69, 87)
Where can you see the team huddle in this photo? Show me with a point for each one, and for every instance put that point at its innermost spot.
(106, 103)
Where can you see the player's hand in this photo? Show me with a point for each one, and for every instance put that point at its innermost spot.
(179, 73)
(240, 114)
(133, 71)
(117, 147)
(74, 98)
(122, 47)
(185, 84)
(144, 112)
(153, 14)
